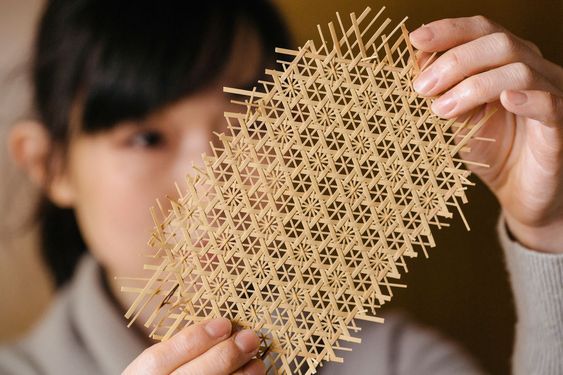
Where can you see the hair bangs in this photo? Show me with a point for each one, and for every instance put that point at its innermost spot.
(145, 59)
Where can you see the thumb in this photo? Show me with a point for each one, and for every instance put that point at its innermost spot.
(542, 106)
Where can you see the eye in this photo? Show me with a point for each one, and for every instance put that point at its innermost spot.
(147, 139)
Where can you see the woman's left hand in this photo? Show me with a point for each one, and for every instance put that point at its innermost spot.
(483, 64)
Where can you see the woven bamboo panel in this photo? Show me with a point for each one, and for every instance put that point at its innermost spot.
(301, 221)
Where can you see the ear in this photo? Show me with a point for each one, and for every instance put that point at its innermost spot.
(30, 147)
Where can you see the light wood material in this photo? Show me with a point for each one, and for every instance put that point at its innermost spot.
(302, 220)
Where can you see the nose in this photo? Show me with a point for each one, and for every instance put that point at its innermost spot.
(195, 142)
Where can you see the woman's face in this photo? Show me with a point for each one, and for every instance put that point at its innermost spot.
(112, 178)
(115, 176)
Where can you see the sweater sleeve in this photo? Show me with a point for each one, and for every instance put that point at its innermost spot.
(537, 284)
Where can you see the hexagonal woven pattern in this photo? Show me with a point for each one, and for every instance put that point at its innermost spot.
(300, 222)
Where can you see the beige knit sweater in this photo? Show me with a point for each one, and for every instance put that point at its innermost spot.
(84, 333)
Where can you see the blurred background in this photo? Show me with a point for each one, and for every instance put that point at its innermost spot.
(462, 290)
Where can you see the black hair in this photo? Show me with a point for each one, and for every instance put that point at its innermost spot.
(122, 60)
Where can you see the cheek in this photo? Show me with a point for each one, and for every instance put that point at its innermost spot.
(114, 190)
(113, 197)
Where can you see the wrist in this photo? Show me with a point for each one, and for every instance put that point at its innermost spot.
(546, 239)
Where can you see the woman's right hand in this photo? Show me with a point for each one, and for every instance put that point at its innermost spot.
(206, 348)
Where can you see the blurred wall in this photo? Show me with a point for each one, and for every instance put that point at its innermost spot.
(25, 288)
(461, 290)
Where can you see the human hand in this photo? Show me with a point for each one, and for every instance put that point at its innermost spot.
(206, 348)
(482, 65)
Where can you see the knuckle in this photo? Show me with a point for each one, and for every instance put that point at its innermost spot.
(476, 86)
(454, 58)
(506, 43)
(184, 340)
(485, 24)
(152, 358)
(524, 73)
(227, 355)
(186, 371)
(452, 23)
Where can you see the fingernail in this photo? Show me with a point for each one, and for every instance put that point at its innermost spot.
(247, 341)
(421, 35)
(219, 327)
(517, 97)
(444, 106)
(425, 82)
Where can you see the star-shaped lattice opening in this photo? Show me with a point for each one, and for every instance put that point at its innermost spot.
(301, 221)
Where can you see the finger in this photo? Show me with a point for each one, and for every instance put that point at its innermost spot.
(225, 357)
(192, 341)
(447, 33)
(424, 59)
(476, 56)
(254, 367)
(486, 88)
(542, 106)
